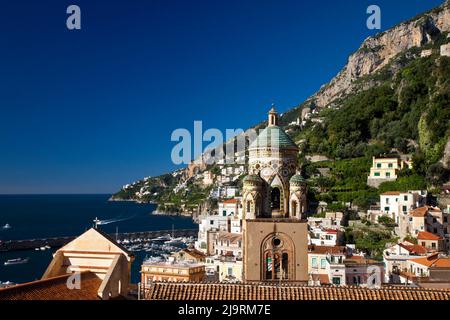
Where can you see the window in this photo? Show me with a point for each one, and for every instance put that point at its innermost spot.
(391, 165)
(314, 262)
(376, 174)
(405, 198)
(423, 244)
(285, 265)
(404, 208)
(386, 208)
(323, 263)
(433, 245)
(388, 174)
(211, 222)
(224, 212)
(230, 271)
(378, 165)
(336, 280)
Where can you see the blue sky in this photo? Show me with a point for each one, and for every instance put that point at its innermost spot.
(87, 111)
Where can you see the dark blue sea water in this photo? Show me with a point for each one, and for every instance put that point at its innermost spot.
(40, 216)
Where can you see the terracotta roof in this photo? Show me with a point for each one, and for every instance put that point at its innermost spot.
(358, 260)
(419, 212)
(322, 278)
(414, 248)
(54, 289)
(433, 261)
(422, 211)
(194, 253)
(327, 249)
(264, 291)
(227, 236)
(425, 235)
(391, 193)
(229, 201)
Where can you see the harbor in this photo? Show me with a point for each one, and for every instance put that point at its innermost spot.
(133, 238)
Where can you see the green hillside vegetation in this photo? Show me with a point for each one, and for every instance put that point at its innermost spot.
(408, 111)
(189, 198)
(156, 186)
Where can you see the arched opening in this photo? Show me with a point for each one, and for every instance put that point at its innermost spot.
(276, 267)
(285, 265)
(278, 259)
(249, 206)
(294, 208)
(275, 197)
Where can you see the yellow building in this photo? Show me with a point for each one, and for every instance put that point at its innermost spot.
(386, 169)
(171, 271)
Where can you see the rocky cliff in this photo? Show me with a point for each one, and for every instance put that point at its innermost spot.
(377, 51)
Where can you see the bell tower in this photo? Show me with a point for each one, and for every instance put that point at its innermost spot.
(274, 227)
(273, 117)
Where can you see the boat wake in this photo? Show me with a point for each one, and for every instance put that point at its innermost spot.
(113, 220)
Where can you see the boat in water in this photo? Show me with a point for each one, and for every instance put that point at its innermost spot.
(175, 241)
(11, 262)
(6, 284)
(6, 226)
(166, 237)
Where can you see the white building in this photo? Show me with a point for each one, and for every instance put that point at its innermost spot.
(395, 259)
(229, 244)
(324, 237)
(326, 264)
(332, 220)
(229, 207)
(424, 267)
(397, 205)
(207, 231)
(208, 178)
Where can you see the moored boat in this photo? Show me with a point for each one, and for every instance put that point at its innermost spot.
(11, 262)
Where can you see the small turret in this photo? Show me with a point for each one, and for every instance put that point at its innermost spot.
(273, 117)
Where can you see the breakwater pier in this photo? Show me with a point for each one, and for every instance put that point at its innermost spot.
(56, 242)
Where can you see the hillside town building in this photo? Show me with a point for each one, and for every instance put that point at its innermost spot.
(171, 270)
(386, 169)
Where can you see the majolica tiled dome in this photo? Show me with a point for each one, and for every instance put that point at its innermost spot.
(281, 139)
(297, 181)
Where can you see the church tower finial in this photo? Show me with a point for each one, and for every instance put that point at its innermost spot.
(273, 116)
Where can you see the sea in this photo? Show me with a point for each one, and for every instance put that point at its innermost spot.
(43, 216)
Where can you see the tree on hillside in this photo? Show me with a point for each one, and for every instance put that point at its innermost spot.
(437, 174)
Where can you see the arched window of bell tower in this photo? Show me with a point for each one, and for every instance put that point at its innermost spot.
(275, 198)
(294, 207)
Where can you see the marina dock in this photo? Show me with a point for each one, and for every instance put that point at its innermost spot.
(56, 242)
